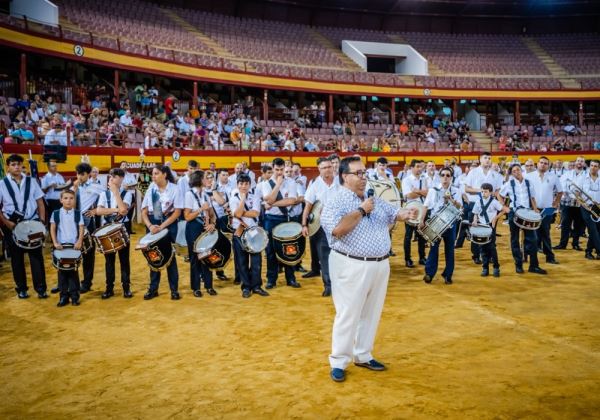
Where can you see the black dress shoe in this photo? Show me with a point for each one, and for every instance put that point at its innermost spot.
(108, 294)
(577, 248)
(84, 289)
(477, 260)
(519, 270)
(150, 294)
(326, 292)
(127, 294)
(294, 284)
(311, 274)
(211, 291)
(246, 293)
(43, 295)
(55, 290)
(175, 296)
(222, 276)
(410, 264)
(485, 272)
(537, 270)
(186, 258)
(270, 285)
(75, 302)
(22, 295)
(589, 256)
(422, 261)
(300, 269)
(447, 280)
(427, 278)
(556, 247)
(237, 282)
(197, 293)
(63, 301)
(552, 261)
(260, 291)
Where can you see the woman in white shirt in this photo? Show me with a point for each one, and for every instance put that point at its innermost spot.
(161, 209)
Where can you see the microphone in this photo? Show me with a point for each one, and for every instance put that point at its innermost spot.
(370, 193)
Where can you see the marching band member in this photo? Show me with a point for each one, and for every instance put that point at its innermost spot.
(381, 172)
(245, 208)
(414, 189)
(161, 208)
(200, 218)
(218, 197)
(590, 184)
(571, 222)
(357, 230)
(473, 181)
(86, 200)
(50, 181)
(558, 168)
(489, 210)
(21, 198)
(297, 175)
(436, 198)
(522, 195)
(251, 174)
(237, 170)
(324, 188)
(295, 211)
(66, 227)
(183, 183)
(548, 191)
(278, 194)
(431, 176)
(114, 206)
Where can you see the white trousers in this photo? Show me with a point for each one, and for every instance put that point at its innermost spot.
(358, 289)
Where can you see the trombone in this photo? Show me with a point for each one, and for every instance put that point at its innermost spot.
(583, 199)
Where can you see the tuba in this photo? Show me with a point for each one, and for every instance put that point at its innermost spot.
(584, 200)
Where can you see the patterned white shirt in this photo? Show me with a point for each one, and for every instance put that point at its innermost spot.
(370, 237)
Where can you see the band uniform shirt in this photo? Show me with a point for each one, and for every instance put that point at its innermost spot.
(67, 232)
(129, 179)
(435, 198)
(591, 187)
(566, 179)
(193, 199)
(8, 206)
(545, 188)
(522, 197)
(183, 184)
(168, 200)
(318, 190)
(370, 237)
(50, 179)
(301, 179)
(477, 177)
(493, 208)
(411, 182)
(297, 209)
(112, 202)
(225, 191)
(251, 203)
(431, 181)
(287, 190)
(373, 174)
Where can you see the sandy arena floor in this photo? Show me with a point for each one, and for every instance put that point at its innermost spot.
(521, 346)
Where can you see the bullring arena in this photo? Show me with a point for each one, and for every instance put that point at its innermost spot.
(426, 85)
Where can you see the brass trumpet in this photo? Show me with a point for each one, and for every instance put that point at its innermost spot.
(582, 198)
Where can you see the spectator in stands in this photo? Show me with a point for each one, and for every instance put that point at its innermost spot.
(22, 104)
(56, 136)
(337, 128)
(21, 134)
(375, 146)
(538, 130)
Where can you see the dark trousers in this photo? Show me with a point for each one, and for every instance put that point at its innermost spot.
(221, 225)
(89, 258)
(489, 253)
(247, 265)
(68, 283)
(431, 265)
(543, 237)
(17, 263)
(198, 270)
(109, 267)
(172, 272)
(323, 251)
(530, 244)
(571, 224)
(408, 235)
(315, 265)
(467, 219)
(593, 232)
(272, 263)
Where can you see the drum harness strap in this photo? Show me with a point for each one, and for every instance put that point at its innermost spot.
(199, 218)
(421, 186)
(78, 203)
(112, 218)
(512, 184)
(485, 207)
(283, 210)
(11, 192)
(246, 208)
(77, 216)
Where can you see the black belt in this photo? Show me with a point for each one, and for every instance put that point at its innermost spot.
(385, 257)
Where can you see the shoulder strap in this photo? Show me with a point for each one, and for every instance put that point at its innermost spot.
(56, 217)
(77, 219)
(528, 192)
(420, 187)
(284, 210)
(512, 184)
(11, 192)
(484, 208)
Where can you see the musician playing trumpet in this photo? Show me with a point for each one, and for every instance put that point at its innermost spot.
(436, 199)
(589, 198)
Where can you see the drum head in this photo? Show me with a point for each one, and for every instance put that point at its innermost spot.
(28, 227)
(71, 254)
(482, 231)
(287, 230)
(528, 214)
(314, 219)
(206, 242)
(386, 190)
(256, 239)
(153, 237)
(420, 210)
(104, 230)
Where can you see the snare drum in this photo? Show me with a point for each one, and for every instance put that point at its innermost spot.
(480, 235)
(29, 234)
(88, 242)
(67, 259)
(157, 248)
(254, 240)
(111, 238)
(213, 249)
(527, 219)
(288, 243)
(436, 226)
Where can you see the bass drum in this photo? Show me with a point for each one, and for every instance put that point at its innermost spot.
(157, 249)
(288, 243)
(420, 210)
(314, 218)
(213, 249)
(387, 191)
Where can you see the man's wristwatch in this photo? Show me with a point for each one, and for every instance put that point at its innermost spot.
(362, 211)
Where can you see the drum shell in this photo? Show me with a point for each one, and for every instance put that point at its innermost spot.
(159, 253)
(480, 236)
(289, 250)
(220, 253)
(436, 226)
(34, 239)
(521, 220)
(66, 264)
(112, 241)
(87, 243)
